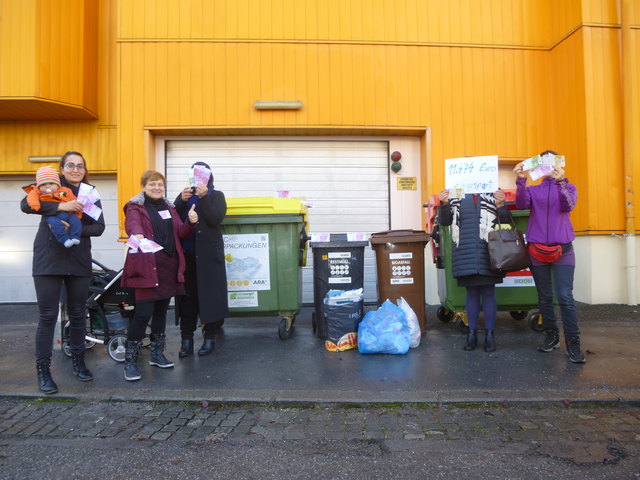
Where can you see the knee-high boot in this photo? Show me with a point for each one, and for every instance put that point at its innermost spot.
(46, 383)
(80, 370)
(132, 350)
(157, 351)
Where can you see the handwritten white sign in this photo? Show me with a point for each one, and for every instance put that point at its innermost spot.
(472, 174)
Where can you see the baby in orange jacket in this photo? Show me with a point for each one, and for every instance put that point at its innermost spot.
(48, 189)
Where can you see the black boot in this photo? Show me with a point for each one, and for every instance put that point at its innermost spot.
(573, 350)
(207, 346)
(132, 350)
(551, 341)
(157, 351)
(46, 383)
(186, 348)
(472, 340)
(489, 341)
(79, 368)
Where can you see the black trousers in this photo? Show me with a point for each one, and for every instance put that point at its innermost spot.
(156, 310)
(188, 305)
(48, 289)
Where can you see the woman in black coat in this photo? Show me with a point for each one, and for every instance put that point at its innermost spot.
(471, 218)
(55, 266)
(205, 275)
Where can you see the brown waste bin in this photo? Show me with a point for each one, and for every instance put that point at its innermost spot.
(400, 264)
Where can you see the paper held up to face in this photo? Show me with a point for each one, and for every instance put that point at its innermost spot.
(199, 175)
(471, 174)
(531, 163)
(539, 166)
(540, 171)
(535, 162)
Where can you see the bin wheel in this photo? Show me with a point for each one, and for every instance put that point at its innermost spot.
(444, 314)
(284, 327)
(116, 347)
(314, 323)
(460, 323)
(518, 314)
(535, 322)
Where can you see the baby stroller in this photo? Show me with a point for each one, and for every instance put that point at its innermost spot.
(109, 308)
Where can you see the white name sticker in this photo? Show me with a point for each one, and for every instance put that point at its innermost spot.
(165, 214)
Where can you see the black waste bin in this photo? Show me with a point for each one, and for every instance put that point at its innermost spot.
(338, 264)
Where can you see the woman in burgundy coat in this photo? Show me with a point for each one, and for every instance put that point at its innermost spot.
(158, 276)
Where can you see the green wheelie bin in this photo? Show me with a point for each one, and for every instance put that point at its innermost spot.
(265, 241)
(516, 294)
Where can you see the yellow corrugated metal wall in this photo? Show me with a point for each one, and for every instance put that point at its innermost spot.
(62, 67)
(17, 47)
(469, 72)
(522, 22)
(635, 87)
(35, 27)
(506, 77)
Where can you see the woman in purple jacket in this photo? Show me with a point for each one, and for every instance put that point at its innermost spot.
(156, 277)
(549, 235)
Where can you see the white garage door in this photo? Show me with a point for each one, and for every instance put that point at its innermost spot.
(346, 181)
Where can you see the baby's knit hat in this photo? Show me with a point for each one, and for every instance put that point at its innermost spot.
(47, 175)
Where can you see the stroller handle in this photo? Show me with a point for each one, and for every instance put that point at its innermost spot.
(105, 268)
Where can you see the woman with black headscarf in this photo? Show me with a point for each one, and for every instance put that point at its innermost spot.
(205, 274)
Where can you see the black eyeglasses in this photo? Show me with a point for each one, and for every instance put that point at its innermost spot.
(73, 166)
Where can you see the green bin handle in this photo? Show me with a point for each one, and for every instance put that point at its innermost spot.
(303, 247)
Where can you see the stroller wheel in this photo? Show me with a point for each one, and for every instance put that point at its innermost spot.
(66, 348)
(116, 347)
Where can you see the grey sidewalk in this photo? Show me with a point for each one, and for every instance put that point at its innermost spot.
(251, 364)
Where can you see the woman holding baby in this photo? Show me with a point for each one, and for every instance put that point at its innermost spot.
(55, 266)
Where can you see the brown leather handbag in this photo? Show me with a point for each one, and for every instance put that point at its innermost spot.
(507, 250)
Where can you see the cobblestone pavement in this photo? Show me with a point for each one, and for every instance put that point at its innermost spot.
(580, 434)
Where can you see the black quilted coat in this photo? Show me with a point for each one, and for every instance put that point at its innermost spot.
(471, 254)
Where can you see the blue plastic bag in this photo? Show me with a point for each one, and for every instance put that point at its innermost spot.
(385, 330)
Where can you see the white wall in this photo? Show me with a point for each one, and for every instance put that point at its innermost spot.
(17, 231)
(601, 273)
(406, 205)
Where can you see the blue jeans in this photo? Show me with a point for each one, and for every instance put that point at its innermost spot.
(58, 228)
(563, 283)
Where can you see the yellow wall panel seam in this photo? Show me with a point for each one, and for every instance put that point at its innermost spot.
(330, 42)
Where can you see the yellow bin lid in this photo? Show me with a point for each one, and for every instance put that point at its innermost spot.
(266, 206)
